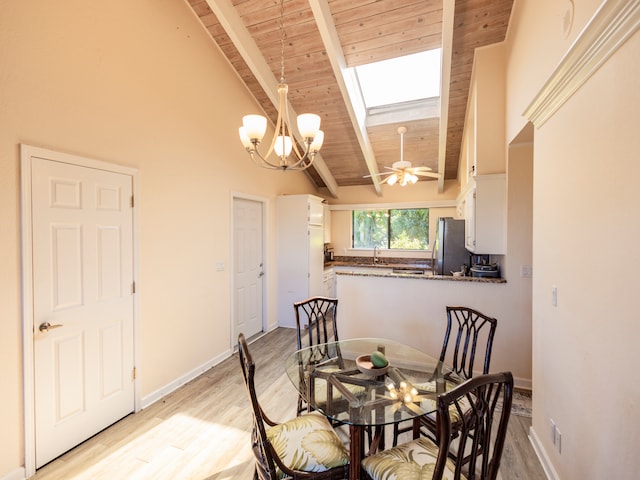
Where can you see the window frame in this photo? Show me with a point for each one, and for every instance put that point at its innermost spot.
(389, 234)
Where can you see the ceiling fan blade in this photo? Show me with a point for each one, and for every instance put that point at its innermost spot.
(421, 169)
(377, 174)
(428, 174)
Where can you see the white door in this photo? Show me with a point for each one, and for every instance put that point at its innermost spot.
(82, 230)
(248, 267)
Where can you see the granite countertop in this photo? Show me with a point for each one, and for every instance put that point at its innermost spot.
(364, 267)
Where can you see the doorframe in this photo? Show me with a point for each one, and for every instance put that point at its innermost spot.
(28, 371)
(233, 342)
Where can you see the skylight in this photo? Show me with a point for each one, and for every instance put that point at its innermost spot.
(402, 79)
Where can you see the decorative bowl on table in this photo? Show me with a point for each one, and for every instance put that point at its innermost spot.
(364, 364)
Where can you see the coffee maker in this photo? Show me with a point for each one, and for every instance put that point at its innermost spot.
(328, 253)
(481, 266)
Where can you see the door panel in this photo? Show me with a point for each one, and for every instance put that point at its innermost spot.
(82, 224)
(248, 267)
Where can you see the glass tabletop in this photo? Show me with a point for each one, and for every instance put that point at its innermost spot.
(339, 380)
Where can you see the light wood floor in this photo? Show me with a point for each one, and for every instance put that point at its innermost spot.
(201, 431)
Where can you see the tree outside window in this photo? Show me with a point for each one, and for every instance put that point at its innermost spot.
(402, 229)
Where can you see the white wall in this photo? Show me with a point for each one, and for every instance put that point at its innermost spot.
(139, 84)
(585, 226)
(413, 311)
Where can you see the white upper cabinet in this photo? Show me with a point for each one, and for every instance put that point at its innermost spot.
(327, 223)
(482, 200)
(485, 203)
(316, 210)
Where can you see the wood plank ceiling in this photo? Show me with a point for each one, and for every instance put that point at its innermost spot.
(323, 36)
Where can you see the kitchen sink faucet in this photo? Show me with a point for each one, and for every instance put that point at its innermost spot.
(376, 254)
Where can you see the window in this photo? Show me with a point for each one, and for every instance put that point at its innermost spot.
(403, 79)
(402, 229)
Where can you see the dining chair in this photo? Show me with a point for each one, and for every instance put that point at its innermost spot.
(316, 316)
(471, 330)
(483, 404)
(316, 324)
(305, 447)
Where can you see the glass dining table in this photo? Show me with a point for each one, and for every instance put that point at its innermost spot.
(339, 380)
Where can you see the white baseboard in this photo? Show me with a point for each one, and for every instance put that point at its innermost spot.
(523, 383)
(177, 383)
(545, 461)
(17, 474)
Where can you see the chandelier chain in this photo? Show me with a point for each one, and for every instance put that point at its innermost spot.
(283, 143)
(282, 41)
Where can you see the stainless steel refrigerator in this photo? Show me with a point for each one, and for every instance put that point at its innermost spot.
(449, 254)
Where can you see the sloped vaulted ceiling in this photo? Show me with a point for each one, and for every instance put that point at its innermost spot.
(325, 36)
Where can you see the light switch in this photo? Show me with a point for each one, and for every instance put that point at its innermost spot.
(219, 266)
(554, 296)
(526, 271)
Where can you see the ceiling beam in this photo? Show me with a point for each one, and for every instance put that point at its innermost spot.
(448, 12)
(348, 85)
(246, 46)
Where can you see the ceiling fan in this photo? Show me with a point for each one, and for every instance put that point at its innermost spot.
(402, 172)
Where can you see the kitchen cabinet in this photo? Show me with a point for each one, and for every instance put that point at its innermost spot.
(485, 202)
(300, 248)
(326, 222)
(328, 283)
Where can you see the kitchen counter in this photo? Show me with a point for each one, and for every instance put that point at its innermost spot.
(389, 272)
(419, 271)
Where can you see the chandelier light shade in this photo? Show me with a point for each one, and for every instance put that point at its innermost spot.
(288, 156)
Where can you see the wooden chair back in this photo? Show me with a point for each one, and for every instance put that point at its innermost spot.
(268, 464)
(484, 405)
(471, 330)
(265, 465)
(316, 315)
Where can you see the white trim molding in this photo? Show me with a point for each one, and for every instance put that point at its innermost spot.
(27, 153)
(17, 474)
(614, 22)
(394, 206)
(170, 387)
(545, 461)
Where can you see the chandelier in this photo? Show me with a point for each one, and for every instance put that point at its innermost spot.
(283, 144)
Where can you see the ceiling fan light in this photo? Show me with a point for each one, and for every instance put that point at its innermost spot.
(317, 141)
(283, 146)
(255, 126)
(308, 125)
(392, 179)
(414, 178)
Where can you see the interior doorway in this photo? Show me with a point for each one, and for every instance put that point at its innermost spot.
(78, 301)
(248, 266)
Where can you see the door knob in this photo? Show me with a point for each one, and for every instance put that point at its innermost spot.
(46, 326)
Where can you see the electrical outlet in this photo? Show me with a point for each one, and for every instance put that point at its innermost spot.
(554, 295)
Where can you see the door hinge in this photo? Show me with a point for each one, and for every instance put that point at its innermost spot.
(134, 373)
(133, 288)
(132, 203)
